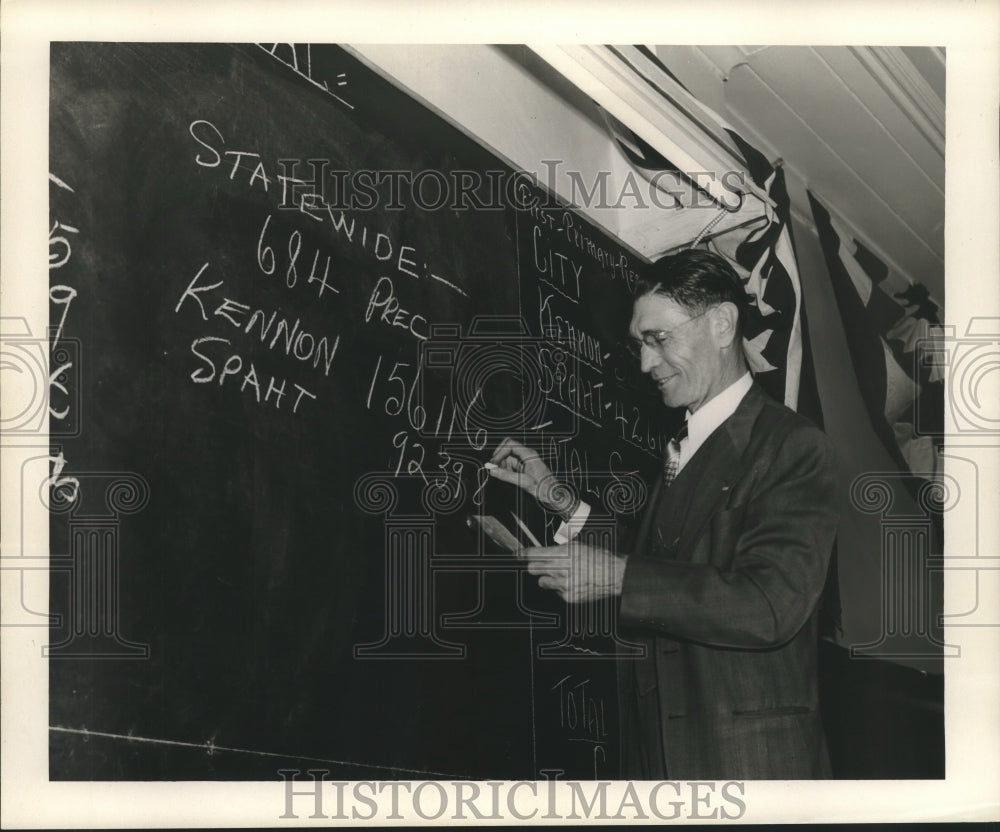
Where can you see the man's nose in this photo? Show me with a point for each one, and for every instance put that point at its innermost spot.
(648, 358)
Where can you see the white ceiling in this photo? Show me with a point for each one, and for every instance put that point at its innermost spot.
(861, 127)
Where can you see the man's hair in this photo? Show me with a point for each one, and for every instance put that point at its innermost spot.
(695, 279)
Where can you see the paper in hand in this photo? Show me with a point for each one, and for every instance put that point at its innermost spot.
(496, 531)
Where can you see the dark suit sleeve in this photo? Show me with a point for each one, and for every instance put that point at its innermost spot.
(773, 550)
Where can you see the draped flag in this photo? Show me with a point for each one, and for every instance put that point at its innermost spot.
(891, 327)
(764, 259)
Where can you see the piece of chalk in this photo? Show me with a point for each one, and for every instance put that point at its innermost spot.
(489, 466)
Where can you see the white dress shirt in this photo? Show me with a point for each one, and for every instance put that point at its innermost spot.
(700, 426)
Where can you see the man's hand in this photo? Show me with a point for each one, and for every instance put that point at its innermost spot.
(577, 571)
(524, 468)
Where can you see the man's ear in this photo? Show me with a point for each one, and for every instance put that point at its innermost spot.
(724, 325)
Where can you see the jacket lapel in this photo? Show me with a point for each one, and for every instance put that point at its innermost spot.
(717, 465)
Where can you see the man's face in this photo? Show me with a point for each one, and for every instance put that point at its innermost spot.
(686, 364)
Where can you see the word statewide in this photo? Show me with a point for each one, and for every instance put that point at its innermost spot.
(310, 203)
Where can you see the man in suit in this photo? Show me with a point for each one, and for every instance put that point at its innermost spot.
(723, 582)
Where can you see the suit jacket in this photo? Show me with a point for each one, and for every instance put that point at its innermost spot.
(723, 588)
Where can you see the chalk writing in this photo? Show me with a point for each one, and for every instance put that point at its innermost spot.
(65, 489)
(557, 328)
(405, 258)
(62, 354)
(56, 259)
(397, 390)
(615, 263)
(233, 366)
(555, 269)
(579, 374)
(413, 455)
(268, 263)
(564, 223)
(635, 428)
(60, 295)
(298, 58)
(296, 342)
(383, 300)
(571, 465)
(57, 181)
(247, 164)
(581, 713)
(578, 392)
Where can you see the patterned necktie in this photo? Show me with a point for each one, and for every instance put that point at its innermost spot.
(672, 463)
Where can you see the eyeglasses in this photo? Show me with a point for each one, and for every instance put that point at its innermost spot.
(657, 339)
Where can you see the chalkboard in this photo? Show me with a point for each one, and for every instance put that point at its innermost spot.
(277, 411)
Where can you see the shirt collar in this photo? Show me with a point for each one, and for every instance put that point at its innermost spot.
(714, 412)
